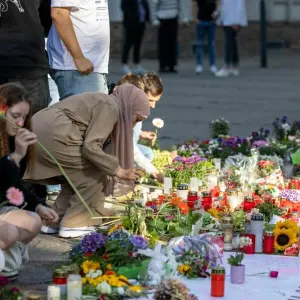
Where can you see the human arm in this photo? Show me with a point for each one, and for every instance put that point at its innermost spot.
(184, 11)
(195, 12)
(154, 8)
(102, 122)
(60, 14)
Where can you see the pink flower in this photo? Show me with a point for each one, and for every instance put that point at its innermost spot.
(290, 251)
(15, 196)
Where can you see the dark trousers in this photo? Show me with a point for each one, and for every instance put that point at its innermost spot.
(231, 47)
(167, 43)
(133, 36)
(38, 89)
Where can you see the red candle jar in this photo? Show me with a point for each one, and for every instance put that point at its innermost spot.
(217, 282)
(192, 199)
(206, 200)
(251, 248)
(268, 243)
(249, 203)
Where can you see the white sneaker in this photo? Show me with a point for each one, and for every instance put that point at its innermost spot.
(234, 72)
(213, 69)
(66, 232)
(125, 69)
(139, 70)
(49, 230)
(2, 260)
(198, 69)
(224, 72)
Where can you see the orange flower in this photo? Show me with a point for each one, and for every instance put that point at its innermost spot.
(110, 272)
(183, 207)
(176, 200)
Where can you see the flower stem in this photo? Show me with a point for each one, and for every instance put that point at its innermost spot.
(66, 177)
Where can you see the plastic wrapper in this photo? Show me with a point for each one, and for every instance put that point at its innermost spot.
(206, 244)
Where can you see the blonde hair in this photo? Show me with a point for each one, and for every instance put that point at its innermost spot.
(132, 79)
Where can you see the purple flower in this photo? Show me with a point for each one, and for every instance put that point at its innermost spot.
(93, 241)
(15, 290)
(138, 242)
(260, 143)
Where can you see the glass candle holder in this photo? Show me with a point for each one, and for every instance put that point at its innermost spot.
(268, 243)
(257, 228)
(206, 200)
(194, 184)
(233, 199)
(183, 191)
(168, 185)
(212, 181)
(217, 282)
(249, 203)
(227, 228)
(74, 287)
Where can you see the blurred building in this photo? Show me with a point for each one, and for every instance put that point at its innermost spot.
(283, 28)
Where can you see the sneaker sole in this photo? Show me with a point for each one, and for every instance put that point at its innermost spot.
(48, 230)
(74, 233)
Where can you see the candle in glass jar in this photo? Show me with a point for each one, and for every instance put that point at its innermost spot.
(53, 292)
(233, 199)
(217, 163)
(206, 200)
(249, 204)
(217, 282)
(74, 287)
(168, 185)
(60, 280)
(212, 181)
(192, 199)
(257, 227)
(183, 191)
(268, 243)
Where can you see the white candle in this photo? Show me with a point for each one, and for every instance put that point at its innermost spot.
(74, 287)
(212, 181)
(194, 184)
(53, 292)
(217, 163)
(168, 185)
(233, 201)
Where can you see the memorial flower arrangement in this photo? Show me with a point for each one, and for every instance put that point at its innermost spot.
(266, 168)
(116, 248)
(9, 292)
(285, 235)
(219, 127)
(192, 264)
(281, 128)
(239, 218)
(183, 168)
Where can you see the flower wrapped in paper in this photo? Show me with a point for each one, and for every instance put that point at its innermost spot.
(195, 254)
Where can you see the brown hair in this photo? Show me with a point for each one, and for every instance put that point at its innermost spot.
(132, 79)
(10, 95)
(153, 84)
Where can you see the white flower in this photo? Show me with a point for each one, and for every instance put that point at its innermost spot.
(245, 241)
(291, 138)
(104, 288)
(158, 123)
(120, 291)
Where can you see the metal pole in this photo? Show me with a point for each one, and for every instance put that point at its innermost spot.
(263, 35)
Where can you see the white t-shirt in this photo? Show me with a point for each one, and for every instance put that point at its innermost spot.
(90, 19)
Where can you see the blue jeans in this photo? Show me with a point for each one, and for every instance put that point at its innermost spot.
(208, 28)
(71, 83)
(148, 152)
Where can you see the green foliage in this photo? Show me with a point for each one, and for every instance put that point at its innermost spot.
(236, 260)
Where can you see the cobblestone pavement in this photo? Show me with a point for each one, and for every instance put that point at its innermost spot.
(189, 103)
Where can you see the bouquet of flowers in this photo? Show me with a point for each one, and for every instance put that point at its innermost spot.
(11, 293)
(189, 148)
(231, 177)
(266, 167)
(281, 128)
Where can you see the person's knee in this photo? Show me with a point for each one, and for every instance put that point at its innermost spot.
(36, 223)
(9, 235)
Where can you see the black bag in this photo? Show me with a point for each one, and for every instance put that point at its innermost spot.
(45, 16)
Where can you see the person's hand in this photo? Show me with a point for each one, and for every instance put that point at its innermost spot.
(158, 176)
(84, 65)
(236, 27)
(156, 23)
(23, 139)
(215, 15)
(148, 135)
(128, 174)
(47, 214)
(196, 21)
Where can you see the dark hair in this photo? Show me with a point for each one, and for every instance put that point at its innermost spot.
(10, 95)
(153, 84)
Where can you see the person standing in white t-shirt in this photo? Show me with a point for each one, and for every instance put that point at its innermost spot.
(232, 16)
(78, 46)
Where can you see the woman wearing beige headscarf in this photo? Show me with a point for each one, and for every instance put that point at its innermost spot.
(76, 131)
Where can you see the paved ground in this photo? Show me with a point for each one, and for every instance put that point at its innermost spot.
(189, 103)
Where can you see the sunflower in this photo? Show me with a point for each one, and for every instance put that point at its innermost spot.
(284, 238)
(89, 265)
(287, 224)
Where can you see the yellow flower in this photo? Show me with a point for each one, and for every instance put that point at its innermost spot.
(287, 224)
(109, 267)
(84, 280)
(284, 238)
(89, 265)
(183, 269)
(135, 288)
(213, 212)
(112, 229)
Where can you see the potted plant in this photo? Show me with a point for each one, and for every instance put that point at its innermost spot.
(237, 270)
